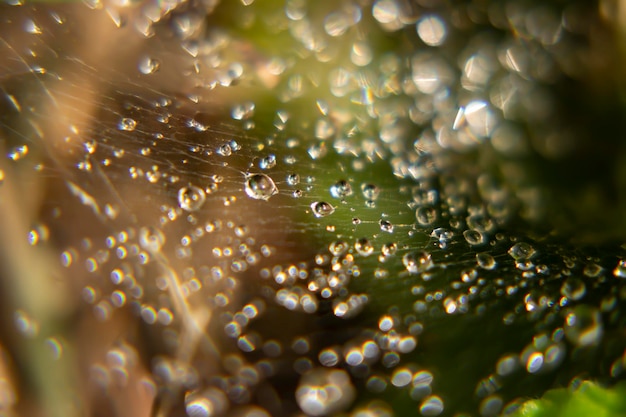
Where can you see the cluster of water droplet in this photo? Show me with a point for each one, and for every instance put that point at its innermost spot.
(396, 252)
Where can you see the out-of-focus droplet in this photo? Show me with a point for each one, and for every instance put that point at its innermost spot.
(431, 406)
(322, 209)
(151, 239)
(191, 197)
(341, 189)
(431, 30)
(573, 288)
(127, 124)
(243, 111)
(260, 187)
(426, 215)
(370, 191)
(416, 262)
(364, 247)
(148, 65)
(324, 392)
(583, 326)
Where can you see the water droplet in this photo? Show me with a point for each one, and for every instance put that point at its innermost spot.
(385, 226)
(485, 261)
(426, 215)
(474, 237)
(522, 251)
(341, 189)
(243, 111)
(324, 391)
(620, 269)
(207, 403)
(338, 248)
(401, 377)
(260, 187)
(127, 124)
(151, 239)
(370, 191)
(293, 179)
(149, 65)
(573, 288)
(322, 209)
(583, 326)
(225, 150)
(364, 247)
(268, 162)
(191, 198)
(431, 30)
(18, 152)
(389, 249)
(431, 406)
(416, 262)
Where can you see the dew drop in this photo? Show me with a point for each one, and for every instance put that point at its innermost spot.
(127, 124)
(260, 187)
(521, 251)
(151, 239)
(243, 111)
(583, 326)
(426, 215)
(573, 288)
(474, 237)
(431, 30)
(389, 249)
(149, 65)
(268, 162)
(385, 226)
(324, 392)
(191, 197)
(416, 262)
(322, 209)
(431, 406)
(341, 189)
(620, 269)
(370, 191)
(293, 179)
(364, 247)
(485, 261)
(338, 247)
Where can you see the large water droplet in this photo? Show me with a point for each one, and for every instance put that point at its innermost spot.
(322, 209)
(191, 198)
(260, 187)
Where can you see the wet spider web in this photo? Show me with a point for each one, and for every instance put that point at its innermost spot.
(281, 208)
